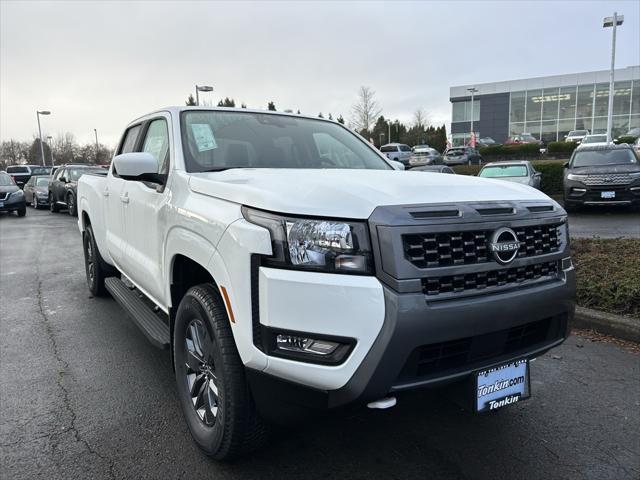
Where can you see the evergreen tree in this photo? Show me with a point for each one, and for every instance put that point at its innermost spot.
(320, 115)
(341, 120)
(330, 117)
(271, 106)
(298, 111)
(243, 105)
(191, 102)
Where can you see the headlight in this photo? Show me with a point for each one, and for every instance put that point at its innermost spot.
(17, 194)
(578, 178)
(634, 175)
(335, 246)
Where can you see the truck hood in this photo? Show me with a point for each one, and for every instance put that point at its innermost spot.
(350, 193)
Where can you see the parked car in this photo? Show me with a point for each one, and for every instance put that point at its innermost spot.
(22, 173)
(434, 168)
(278, 284)
(576, 136)
(523, 139)
(602, 175)
(486, 142)
(518, 171)
(636, 146)
(462, 156)
(595, 139)
(398, 152)
(63, 186)
(11, 197)
(36, 191)
(424, 156)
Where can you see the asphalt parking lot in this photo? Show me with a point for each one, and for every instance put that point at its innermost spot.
(605, 222)
(84, 395)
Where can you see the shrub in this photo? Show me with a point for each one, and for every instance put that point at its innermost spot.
(467, 169)
(525, 150)
(626, 139)
(608, 276)
(561, 147)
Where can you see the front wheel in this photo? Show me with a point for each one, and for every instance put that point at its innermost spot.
(71, 205)
(53, 206)
(213, 391)
(22, 211)
(94, 264)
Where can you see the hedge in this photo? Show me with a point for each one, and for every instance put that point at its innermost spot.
(626, 139)
(552, 172)
(562, 147)
(523, 150)
(608, 275)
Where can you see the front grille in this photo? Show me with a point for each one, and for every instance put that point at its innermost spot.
(608, 179)
(428, 250)
(493, 278)
(447, 357)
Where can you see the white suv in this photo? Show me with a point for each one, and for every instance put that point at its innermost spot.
(398, 152)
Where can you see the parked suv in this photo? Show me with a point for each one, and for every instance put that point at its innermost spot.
(576, 135)
(62, 188)
(277, 283)
(398, 152)
(11, 197)
(462, 156)
(22, 173)
(602, 175)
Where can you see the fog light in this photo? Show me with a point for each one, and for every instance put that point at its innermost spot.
(292, 343)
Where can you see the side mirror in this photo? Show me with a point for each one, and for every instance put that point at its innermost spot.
(140, 166)
(565, 165)
(397, 165)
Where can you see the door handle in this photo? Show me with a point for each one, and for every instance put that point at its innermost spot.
(124, 198)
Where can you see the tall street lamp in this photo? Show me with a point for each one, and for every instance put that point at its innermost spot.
(96, 132)
(38, 113)
(50, 138)
(606, 23)
(473, 91)
(202, 88)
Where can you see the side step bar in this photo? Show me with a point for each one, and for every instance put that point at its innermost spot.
(151, 325)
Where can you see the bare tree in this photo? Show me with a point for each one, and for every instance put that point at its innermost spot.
(366, 110)
(420, 119)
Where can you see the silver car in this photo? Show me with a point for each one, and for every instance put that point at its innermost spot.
(519, 172)
(424, 155)
(398, 152)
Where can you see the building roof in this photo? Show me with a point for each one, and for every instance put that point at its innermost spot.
(568, 80)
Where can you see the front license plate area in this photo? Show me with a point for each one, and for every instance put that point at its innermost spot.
(503, 385)
(607, 194)
(1, 204)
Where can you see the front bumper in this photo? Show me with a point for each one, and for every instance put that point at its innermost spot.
(429, 344)
(577, 193)
(10, 205)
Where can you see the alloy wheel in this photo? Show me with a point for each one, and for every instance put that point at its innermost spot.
(91, 267)
(202, 380)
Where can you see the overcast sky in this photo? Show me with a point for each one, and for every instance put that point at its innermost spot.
(101, 64)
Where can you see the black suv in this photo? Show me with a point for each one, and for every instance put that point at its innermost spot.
(63, 187)
(602, 175)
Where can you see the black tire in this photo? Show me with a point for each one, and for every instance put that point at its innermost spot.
(226, 424)
(53, 206)
(34, 203)
(22, 211)
(95, 267)
(72, 207)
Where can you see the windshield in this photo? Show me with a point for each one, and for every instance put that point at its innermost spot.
(456, 151)
(5, 180)
(594, 139)
(504, 171)
(76, 173)
(590, 158)
(42, 182)
(215, 140)
(40, 170)
(575, 133)
(17, 170)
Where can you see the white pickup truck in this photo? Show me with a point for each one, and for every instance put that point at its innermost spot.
(286, 264)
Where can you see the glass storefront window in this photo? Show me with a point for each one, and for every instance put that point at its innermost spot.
(584, 124)
(517, 106)
(461, 111)
(635, 98)
(567, 99)
(599, 125)
(533, 128)
(620, 125)
(585, 101)
(457, 112)
(549, 131)
(534, 105)
(635, 122)
(516, 129)
(602, 100)
(564, 127)
(622, 98)
(549, 104)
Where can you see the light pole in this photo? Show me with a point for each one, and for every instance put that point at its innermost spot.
(50, 138)
(473, 91)
(397, 136)
(389, 126)
(96, 132)
(606, 23)
(202, 88)
(38, 113)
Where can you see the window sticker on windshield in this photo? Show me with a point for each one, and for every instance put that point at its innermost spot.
(203, 136)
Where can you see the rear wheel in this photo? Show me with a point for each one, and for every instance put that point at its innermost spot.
(53, 206)
(213, 391)
(71, 205)
(96, 269)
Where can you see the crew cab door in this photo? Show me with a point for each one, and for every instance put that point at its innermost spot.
(144, 213)
(116, 234)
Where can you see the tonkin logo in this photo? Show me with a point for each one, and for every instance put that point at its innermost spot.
(504, 245)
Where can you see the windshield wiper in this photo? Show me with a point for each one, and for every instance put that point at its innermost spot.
(218, 169)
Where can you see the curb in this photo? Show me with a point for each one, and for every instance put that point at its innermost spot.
(626, 328)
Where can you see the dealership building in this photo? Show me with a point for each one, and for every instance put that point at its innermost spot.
(546, 107)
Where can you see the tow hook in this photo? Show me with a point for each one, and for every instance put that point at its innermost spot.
(383, 403)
